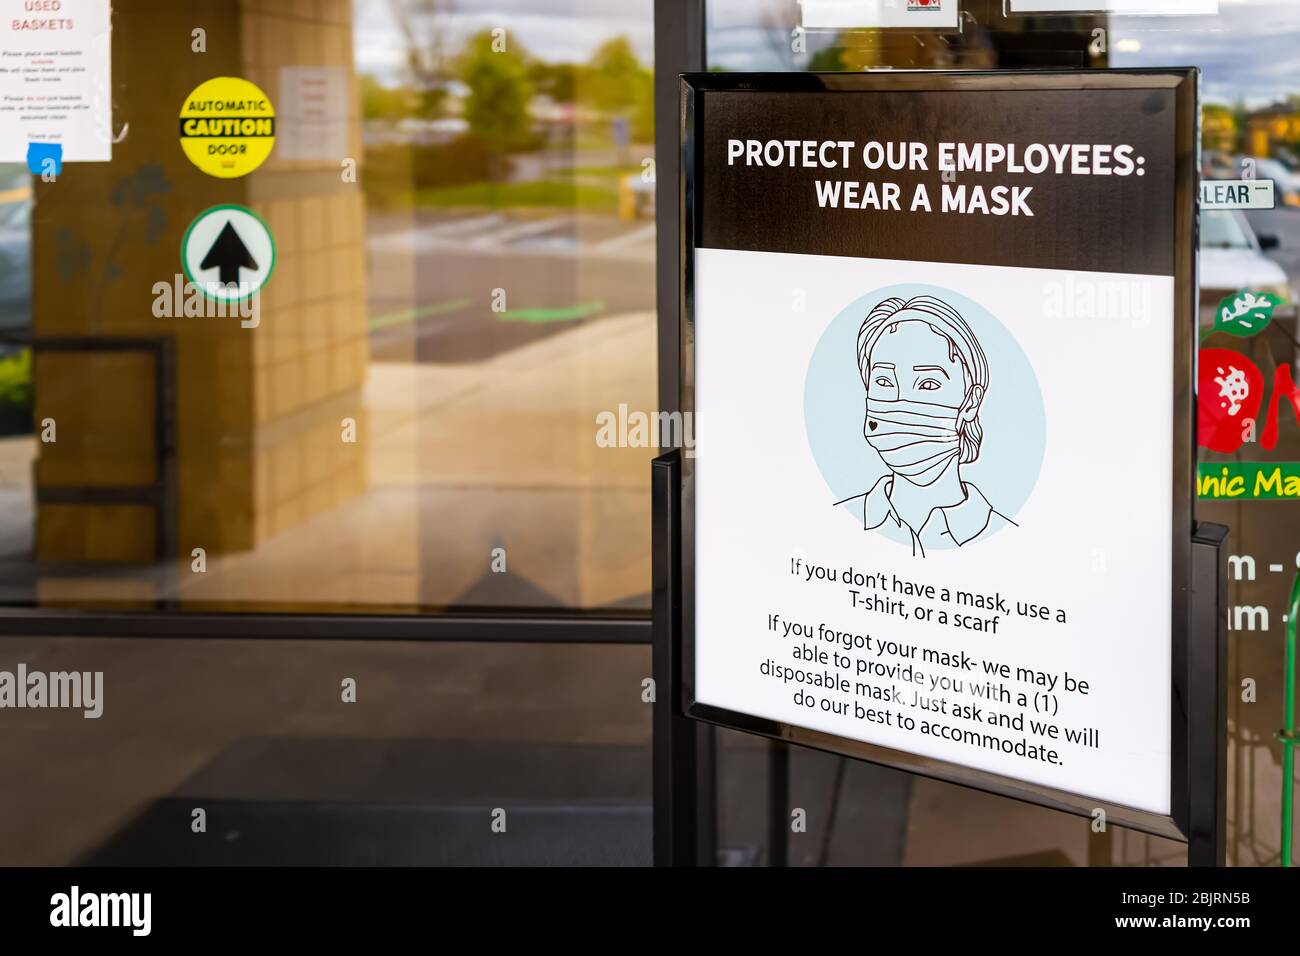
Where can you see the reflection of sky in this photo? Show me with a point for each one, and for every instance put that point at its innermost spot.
(553, 30)
(754, 35)
(1250, 51)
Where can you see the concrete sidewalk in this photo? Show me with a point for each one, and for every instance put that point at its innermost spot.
(467, 458)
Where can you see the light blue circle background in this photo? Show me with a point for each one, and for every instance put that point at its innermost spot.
(1015, 425)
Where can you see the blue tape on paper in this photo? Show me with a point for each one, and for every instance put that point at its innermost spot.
(38, 155)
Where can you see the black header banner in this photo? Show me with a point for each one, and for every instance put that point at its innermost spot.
(1079, 179)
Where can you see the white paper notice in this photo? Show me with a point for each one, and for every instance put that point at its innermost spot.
(1178, 7)
(55, 70)
(313, 112)
(857, 14)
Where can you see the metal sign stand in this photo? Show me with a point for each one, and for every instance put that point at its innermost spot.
(685, 802)
(1207, 704)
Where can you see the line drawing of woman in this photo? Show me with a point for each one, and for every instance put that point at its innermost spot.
(926, 378)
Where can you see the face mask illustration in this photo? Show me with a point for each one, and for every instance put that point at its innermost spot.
(915, 439)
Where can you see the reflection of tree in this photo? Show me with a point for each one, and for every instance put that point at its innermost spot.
(1219, 129)
(827, 60)
(612, 76)
(615, 82)
(778, 21)
(425, 29)
(496, 108)
(379, 102)
(559, 81)
(502, 79)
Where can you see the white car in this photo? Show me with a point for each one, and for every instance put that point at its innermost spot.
(1232, 259)
(1286, 184)
(15, 251)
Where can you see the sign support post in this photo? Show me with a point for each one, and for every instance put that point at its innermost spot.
(1207, 687)
(683, 749)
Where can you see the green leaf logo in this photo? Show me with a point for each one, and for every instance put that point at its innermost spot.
(1245, 313)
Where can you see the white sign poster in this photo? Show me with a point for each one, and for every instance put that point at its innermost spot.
(1171, 7)
(55, 71)
(856, 14)
(934, 424)
(313, 113)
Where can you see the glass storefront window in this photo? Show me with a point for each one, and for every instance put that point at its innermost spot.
(462, 208)
(1250, 127)
(441, 403)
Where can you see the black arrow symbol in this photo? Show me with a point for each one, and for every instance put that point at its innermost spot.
(228, 254)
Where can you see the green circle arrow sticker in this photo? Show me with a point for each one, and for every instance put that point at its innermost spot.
(228, 252)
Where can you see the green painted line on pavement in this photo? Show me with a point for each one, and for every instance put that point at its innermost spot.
(570, 313)
(414, 315)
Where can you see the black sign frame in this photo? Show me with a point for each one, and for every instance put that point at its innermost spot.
(1193, 744)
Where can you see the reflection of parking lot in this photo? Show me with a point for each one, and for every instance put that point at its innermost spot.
(434, 276)
(1284, 224)
(15, 250)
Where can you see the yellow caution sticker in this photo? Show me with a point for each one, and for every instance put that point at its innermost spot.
(227, 127)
